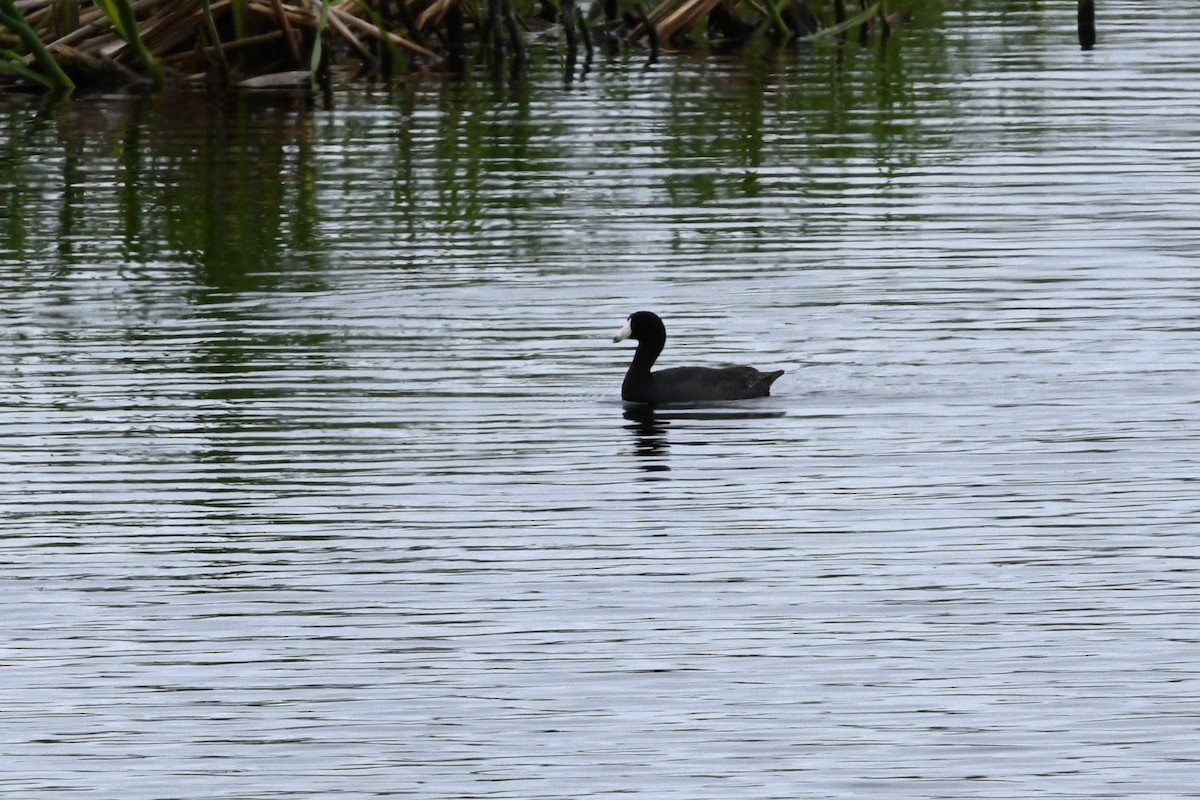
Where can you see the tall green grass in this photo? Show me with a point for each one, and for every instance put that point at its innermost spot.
(51, 75)
(126, 25)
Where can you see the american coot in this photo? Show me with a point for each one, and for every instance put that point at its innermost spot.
(682, 384)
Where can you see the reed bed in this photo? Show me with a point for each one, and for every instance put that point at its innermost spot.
(58, 45)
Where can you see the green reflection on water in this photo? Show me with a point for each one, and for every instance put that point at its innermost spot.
(225, 188)
(240, 191)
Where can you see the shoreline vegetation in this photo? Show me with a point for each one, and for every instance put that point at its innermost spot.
(60, 46)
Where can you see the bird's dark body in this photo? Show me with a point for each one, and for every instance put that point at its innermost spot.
(682, 384)
(697, 385)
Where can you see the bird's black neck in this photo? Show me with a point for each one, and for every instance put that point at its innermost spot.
(645, 356)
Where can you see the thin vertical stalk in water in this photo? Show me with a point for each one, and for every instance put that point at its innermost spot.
(775, 12)
(409, 20)
(861, 18)
(496, 31)
(454, 36)
(586, 35)
(651, 33)
(514, 35)
(1086, 24)
(64, 17)
(238, 7)
(315, 61)
(386, 54)
(210, 25)
(567, 18)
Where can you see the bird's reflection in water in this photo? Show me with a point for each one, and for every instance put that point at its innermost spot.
(649, 438)
(649, 428)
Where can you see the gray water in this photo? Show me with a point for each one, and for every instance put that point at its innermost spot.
(316, 481)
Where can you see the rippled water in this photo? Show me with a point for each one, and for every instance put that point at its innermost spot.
(316, 481)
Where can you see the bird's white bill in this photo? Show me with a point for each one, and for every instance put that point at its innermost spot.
(624, 333)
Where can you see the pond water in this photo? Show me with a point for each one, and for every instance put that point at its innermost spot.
(316, 480)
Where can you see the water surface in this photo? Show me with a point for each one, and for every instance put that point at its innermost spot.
(316, 481)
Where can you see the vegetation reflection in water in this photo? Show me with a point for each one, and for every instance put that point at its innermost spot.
(239, 190)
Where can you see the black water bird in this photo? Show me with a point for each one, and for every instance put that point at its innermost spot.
(682, 384)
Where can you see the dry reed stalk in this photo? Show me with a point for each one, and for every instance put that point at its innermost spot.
(206, 52)
(375, 32)
(289, 35)
(341, 21)
(251, 41)
(661, 10)
(38, 16)
(96, 22)
(684, 17)
(337, 26)
(667, 9)
(93, 66)
(435, 13)
(164, 32)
